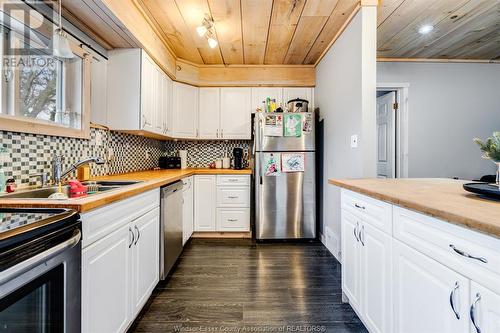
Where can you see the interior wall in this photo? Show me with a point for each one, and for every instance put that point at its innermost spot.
(449, 105)
(346, 95)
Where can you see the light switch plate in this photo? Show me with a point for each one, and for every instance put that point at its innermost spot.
(354, 141)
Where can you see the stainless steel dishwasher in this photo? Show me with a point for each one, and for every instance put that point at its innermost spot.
(170, 227)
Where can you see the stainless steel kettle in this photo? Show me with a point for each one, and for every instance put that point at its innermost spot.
(297, 105)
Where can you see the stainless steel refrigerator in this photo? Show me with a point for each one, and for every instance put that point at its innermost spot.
(285, 202)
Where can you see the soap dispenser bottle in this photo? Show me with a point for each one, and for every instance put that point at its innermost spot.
(3, 156)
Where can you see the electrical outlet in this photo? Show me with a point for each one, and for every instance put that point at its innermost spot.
(148, 154)
(354, 141)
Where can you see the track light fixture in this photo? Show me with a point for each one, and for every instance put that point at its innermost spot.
(207, 29)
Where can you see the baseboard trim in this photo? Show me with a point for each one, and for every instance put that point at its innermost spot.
(211, 234)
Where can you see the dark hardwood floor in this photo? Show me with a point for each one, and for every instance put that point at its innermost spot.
(237, 286)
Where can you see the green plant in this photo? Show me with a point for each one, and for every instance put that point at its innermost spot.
(490, 147)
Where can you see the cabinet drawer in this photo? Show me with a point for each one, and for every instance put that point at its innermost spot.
(102, 221)
(229, 196)
(452, 245)
(233, 219)
(236, 180)
(375, 212)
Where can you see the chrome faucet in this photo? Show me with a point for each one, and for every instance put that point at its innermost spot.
(58, 174)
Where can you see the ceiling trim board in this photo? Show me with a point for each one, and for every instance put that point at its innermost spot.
(438, 60)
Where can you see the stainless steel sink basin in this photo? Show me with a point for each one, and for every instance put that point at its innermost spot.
(44, 193)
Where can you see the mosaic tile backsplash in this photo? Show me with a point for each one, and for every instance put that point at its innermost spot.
(31, 153)
(201, 153)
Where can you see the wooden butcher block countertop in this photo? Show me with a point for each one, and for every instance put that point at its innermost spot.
(149, 180)
(442, 198)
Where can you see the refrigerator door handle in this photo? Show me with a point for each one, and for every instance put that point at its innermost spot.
(260, 149)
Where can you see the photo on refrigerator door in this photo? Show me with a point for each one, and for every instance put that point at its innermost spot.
(292, 162)
(292, 125)
(272, 164)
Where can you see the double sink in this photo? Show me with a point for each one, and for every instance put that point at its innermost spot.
(94, 187)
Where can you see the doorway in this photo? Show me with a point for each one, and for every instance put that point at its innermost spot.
(392, 130)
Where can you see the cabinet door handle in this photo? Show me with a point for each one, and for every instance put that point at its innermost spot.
(232, 220)
(232, 180)
(452, 300)
(138, 234)
(133, 237)
(356, 231)
(222, 133)
(465, 254)
(473, 312)
(232, 197)
(361, 235)
(217, 135)
(358, 206)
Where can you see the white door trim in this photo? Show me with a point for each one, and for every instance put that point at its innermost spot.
(401, 124)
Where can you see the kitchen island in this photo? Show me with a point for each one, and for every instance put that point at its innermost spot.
(420, 255)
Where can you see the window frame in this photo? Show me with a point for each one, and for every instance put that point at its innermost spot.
(15, 123)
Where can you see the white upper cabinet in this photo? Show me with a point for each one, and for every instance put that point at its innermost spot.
(260, 94)
(137, 93)
(209, 113)
(299, 92)
(185, 111)
(98, 90)
(235, 117)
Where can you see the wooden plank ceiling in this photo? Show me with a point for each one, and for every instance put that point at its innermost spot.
(252, 32)
(463, 29)
(275, 32)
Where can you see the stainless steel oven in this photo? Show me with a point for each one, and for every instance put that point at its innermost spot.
(40, 271)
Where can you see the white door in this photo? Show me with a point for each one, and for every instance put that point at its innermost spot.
(168, 106)
(386, 136)
(209, 113)
(260, 94)
(146, 250)
(302, 93)
(235, 117)
(148, 93)
(376, 276)
(428, 297)
(187, 209)
(204, 203)
(484, 310)
(351, 261)
(106, 283)
(98, 90)
(185, 111)
(160, 92)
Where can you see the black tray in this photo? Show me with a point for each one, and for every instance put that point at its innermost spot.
(486, 189)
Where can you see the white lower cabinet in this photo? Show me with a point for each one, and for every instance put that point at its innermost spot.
(106, 283)
(428, 296)
(484, 309)
(422, 276)
(366, 272)
(145, 256)
(222, 203)
(187, 209)
(120, 269)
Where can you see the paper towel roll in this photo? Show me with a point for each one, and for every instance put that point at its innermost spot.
(183, 154)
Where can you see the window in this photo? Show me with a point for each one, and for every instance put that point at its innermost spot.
(41, 93)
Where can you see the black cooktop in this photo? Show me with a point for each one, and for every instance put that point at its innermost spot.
(19, 225)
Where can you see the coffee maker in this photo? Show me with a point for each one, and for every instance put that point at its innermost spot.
(238, 158)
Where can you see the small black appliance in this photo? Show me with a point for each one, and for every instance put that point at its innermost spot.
(238, 158)
(170, 162)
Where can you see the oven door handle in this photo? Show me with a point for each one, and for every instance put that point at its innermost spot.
(29, 263)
